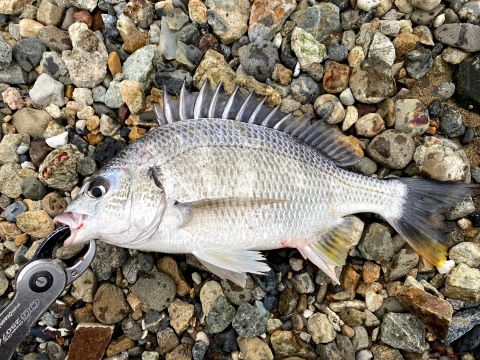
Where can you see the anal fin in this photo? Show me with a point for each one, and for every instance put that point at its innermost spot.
(232, 264)
(331, 249)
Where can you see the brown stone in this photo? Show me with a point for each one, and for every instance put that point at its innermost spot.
(97, 21)
(69, 91)
(197, 11)
(21, 239)
(114, 64)
(181, 352)
(84, 314)
(267, 17)
(90, 341)
(282, 74)
(135, 42)
(371, 272)
(287, 343)
(121, 344)
(404, 43)
(336, 77)
(83, 16)
(209, 42)
(94, 139)
(434, 312)
(170, 267)
(350, 280)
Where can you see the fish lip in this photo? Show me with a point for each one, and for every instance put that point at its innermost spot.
(74, 221)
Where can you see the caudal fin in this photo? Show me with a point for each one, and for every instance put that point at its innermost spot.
(420, 220)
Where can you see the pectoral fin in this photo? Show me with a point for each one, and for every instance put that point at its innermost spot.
(331, 249)
(232, 264)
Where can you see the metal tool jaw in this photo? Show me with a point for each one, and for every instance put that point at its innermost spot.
(38, 284)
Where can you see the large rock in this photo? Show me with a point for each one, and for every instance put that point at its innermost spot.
(392, 148)
(404, 331)
(372, 81)
(87, 61)
(31, 121)
(431, 310)
(267, 18)
(467, 82)
(258, 59)
(465, 36)
(320, 20)
(109, 304)
(139, 65)
(308, 50)
(46, 91)
(28, 52)
(13, 7)
(463, 283)
(156, 291)
(228, 18)
(214, 68)
(287, 343)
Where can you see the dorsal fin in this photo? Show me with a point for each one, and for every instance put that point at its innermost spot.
(215, 103)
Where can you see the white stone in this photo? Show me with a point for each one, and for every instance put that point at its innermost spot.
(321, 329)
(57, 140)
(351, 117)
(381, 47)
(346, 97)
(46, 91)
(426, 5)
(439, 20)
(367, 5)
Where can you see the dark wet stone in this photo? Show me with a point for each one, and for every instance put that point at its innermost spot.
(258, 59)
(462, 322)
(467, 81)
(250, 320)
(354, 19)
(225, 341)
(107, 259)
(13, 210)
(461, 35)
(106, 150)
(172, 80)
(28, 52)
(38, 151)
(418, 62)
(470, 342)
(220, 316)
(451, 123)
(33, 188)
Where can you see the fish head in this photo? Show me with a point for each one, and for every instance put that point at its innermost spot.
(113, 206)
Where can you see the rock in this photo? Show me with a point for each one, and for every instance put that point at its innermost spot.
(5, 54)
(365, 166)
(369, 125)
(167, 340)
(36, 223)
(422, 17)
(170, 267)
(13, 210)
(214, 68)
(381, 47)
(28, 52)
(303, 283)
(254, 349)
(304, 89)
(336, 77)
(123, 343)
(268, 17)
(281, 74)
(467, 78)
(9, 146)
(441, 160)
(374, 301)
(87, 61)
(180, 314)
(360, 340)
(113, 97)
(181, 352)
(90, 341)
(12, 97)
(109, 304)
(435, 313)
(132, 94)
(258, 59)
(411, 116)
(219, 316)
(367, 5)
(372, 81)
(31, 121)
(13, 75)
(402, 263)
(228, 19)
(337, 52)
(418, 62)
(249, 320)
(463, 283)
(237, 294)
(141, 12)
(49, 13)
(329, 109)
(321, 329)
(54, 38)
(139, 65)
(198, 11)
(32, 188)
(46, 91)
(13, 7)
(392, 148)
(58, 170)
(462, 35)
(287, 343)
(10, 180)
(466, 253)
(377, 244)
(462, 322)
(84, 287)
(403, 331)
(451, 123)
(54, 66)
(425, 5)
(445, 90)
(346, 97)
(382, 352)
(156, 290)
(306, 48)
(320, 20)
(150, 355)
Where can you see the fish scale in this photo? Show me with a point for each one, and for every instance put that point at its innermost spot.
(245, 179)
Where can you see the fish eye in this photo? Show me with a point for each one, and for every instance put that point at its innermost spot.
(97, 188)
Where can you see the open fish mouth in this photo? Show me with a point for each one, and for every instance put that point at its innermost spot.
(74, 221)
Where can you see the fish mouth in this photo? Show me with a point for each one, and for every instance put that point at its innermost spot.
(74, 221)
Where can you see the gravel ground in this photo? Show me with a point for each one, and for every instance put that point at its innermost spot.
(78, 79)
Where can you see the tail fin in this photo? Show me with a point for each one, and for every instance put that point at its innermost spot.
(420, 220)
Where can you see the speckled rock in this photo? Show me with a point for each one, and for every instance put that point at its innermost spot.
(464, 36)
(329, 109)
(228, 19)
(381, 47)
(392, 148)
(219, 316)
(215, 69)
(306, 48)
(84, 287)
(377, 244)
(13, 7)
(288, 344)
(254, 349)
(369, 125)
(372, 81)
(321, 329)
(320, 20)
(466, 253)
(463, 283)
(180, 314)
(411, 116)
(267, 18)
(258, 59)
(404, 331)
(156, 290)
(250, 320)
(109, 304)
(35, 223)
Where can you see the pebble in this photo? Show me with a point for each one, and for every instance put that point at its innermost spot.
(411, 116)
(180, 314)
(219, 316)
(320, 20)
(392, 148)
(228, 19)
(466, 253)
(463, 283)
(321, 329)
(36, 223)
(254, 349)
(306, 48)
(377, 244)
(466, 77)
(403, 331)
(170, 267)
(462, 35)
(88, 50)
(54, 38)
(303, 283)
(109, 304)
(418, 62)
(167, 340)
(32, 188)
(258, 59)
(335, 78)
(84, 287)
(329, 109)
(288, 343)
(139, 65)
(132, 94)
(155, 290)
(346, 97)
(250, 320)
(367, 5)
(236, 294)
(381, 47)
(13, 210)
(46, 91)
(304, 89)
(372, 81)
(267, 18)
(12, 7)
(53, 204)
(369, 125)
(28, 52)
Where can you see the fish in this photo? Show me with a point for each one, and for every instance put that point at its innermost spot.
(226, 176)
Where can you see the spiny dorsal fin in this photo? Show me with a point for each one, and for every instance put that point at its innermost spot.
(215, 103)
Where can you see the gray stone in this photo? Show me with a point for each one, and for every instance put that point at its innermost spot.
(418, 62)
(337, 52)
(345, 347)
(320, 20)
(28, 52)
(250, 320)
(139, 65)
(321, 329)
(89, 5)
(372, 81)
(107, 259)
(360, 340)
(304, 89)
(31, 121)
(461, 209)
(237, 294)
(55, 38)
(46, 91)
(258, 59)
(392, 148)
(445, 90)
(155, 290)
(53, 64)
(402, 263)
(404, 331)
(267, 18)
(8, 147)
(461, 35)
(228, 18)
(13, 75)
(466, 253)
(462, 322)
(32, 188)
(382, 48)
(411, 116)
(113, 98)
(451, 124)
(5, 54)
(219, 316)
(423, 17)
(377, 243)
(13, 210)
(303, 283)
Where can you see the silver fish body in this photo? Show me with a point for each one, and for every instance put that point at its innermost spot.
(222, 189)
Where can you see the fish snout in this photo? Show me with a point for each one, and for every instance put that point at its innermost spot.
(74, 221)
